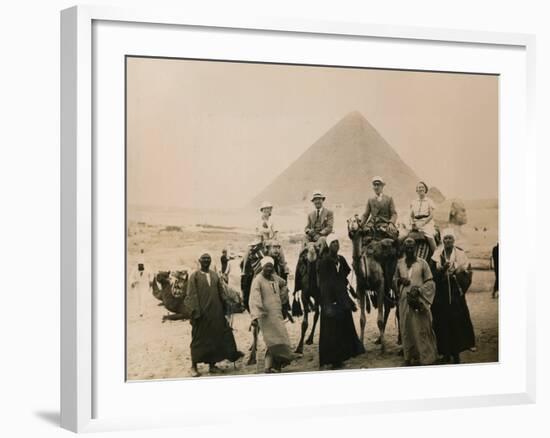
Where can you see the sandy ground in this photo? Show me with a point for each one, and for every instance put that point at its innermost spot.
(157, 350)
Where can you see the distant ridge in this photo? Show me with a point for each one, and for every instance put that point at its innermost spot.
(342, 163)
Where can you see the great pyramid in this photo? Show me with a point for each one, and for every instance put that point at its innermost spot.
(341, 164)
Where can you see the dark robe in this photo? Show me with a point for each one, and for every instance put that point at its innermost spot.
(495, 267)
(224, 260)
(211, 337)
(338, 340)
(451, 318)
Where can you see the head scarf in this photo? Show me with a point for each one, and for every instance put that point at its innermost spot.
(448, 232)
(332, 238)
(267, 260)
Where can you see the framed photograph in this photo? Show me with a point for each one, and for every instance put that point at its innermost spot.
(279, 206)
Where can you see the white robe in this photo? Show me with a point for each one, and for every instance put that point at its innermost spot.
(140, 283)
(266, 301)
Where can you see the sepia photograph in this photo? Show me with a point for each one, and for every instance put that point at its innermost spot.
(285, 218)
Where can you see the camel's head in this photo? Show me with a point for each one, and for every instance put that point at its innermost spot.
(163, 277)
(457, 215)
(388, 247)
(180, 275)
(274, 248)
(381, 249)
(179, 282)
(311, 252)
(354, 224)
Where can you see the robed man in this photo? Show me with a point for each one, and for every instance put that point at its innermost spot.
(268, 296)
(413, 280)
(212, 339)
(451, 316)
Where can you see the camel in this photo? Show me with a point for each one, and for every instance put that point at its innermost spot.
(172, 293)
(173, 290)
(157, 291)
(233, 300)
(306, 282)
(374, 263)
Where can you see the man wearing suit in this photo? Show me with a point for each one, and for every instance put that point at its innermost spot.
(380, 208)
(380, 214)
(320, 221)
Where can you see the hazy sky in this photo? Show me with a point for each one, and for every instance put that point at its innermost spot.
(214, 134)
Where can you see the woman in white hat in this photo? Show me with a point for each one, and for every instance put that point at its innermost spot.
(265, 229)
(266, 232)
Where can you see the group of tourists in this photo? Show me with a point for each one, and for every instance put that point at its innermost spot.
(434, 320)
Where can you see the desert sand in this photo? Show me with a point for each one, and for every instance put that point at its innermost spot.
(172, 239)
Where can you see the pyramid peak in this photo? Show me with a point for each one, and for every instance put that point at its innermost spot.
(354, 115)
(347, 155)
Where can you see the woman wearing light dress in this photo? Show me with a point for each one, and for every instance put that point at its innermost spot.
(265, 233)
(422, 214)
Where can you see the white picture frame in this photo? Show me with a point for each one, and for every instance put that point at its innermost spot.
(84, 384)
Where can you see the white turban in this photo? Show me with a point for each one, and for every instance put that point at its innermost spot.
(332, 238)
(255, 242)
(267, 260)
(448, 232)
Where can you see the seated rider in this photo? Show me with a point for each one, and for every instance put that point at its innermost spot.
(319, 222)
(265, 233)
(422, 211)
(380, 212)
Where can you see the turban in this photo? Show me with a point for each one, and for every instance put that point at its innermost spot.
(267, 260)
(332, 238)
(448, 232)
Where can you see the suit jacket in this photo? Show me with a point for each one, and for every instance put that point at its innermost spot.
(323, 225)
(385, 208)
